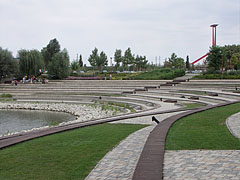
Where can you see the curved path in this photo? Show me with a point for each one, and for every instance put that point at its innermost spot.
(153, 153)
(233, 124)
(142, 98)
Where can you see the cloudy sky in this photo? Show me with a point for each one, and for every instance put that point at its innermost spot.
(149, 27)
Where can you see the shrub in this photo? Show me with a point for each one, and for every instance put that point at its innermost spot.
(6, 95)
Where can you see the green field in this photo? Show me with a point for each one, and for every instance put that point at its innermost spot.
(204, 130)
(68, 155)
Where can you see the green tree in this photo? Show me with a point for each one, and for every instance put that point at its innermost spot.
(98, 61)
(102, 60)
(59, 65)
(229, 51)
(175, 62)
(187, 63)
(93, 58)
(235, 61)
(8, 65)
(50, 50)
(140, 62)
(215, 59)
(128, 58)
(179, 63)
(30, 61)
(75, 65)
(118, 57)
(172, 59)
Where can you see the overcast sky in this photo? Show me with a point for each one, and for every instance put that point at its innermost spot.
(149, 27)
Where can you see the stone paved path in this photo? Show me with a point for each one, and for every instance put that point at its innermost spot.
(233, 123)
(202, 164)
(120, 163)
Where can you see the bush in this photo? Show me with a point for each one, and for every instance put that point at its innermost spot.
(6, 96)
(217, 75)
(157, 74)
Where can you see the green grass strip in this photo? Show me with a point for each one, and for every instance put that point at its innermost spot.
(68, 155)
(193, 105)
(204, 130)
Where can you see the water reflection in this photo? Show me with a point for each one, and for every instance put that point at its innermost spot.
(18, 120)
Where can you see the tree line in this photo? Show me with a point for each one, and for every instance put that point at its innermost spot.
(33, 62)
(224, 58)
(56, 61)
(124, 61)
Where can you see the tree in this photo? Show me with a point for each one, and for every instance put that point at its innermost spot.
(140, 62)
(229, 51)
(50, 50)
(94, 57)
(102, 60)
(30, 62)
(59, 65)
(215, 59)
(172, 59)
(174, 62)
(8, 65)
(118, 57)
(80, 61)
(179, 63)
(128, 58)
(235, 61)
(187, 63)
(75, 65)
(98, 61)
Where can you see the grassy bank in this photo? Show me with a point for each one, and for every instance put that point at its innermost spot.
(204, 130)
(68, 155)
(193, 105)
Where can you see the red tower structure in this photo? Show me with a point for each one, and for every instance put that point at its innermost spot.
(214, 34)
(214, 41)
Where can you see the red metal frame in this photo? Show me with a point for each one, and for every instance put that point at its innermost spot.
(214, 41)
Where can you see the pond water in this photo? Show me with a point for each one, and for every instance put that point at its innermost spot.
(18, 120)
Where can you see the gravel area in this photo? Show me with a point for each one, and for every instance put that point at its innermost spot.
(82, 112)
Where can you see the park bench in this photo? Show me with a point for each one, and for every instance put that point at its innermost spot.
(194, 97)
(213, 94)
(150, 87)
(170, 101)
(128, 92)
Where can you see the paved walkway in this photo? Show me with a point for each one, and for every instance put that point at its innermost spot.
(120, 163)
(202, 164)
(233, 123)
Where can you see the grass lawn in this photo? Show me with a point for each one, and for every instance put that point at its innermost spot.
(68, 155)
(204, 130)
(192, 105)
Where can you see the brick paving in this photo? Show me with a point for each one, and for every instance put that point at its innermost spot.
(202, 164)
(121, 162)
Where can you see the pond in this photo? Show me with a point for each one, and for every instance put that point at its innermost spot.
(18, 120)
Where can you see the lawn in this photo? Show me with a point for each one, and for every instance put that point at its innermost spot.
(204, 130)
(67, 155)
(192, 105)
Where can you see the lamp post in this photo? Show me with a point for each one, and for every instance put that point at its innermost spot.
(111, 68)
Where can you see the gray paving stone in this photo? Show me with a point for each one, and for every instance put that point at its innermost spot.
(202, 164)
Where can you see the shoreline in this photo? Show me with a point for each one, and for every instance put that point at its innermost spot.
(81, 112)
